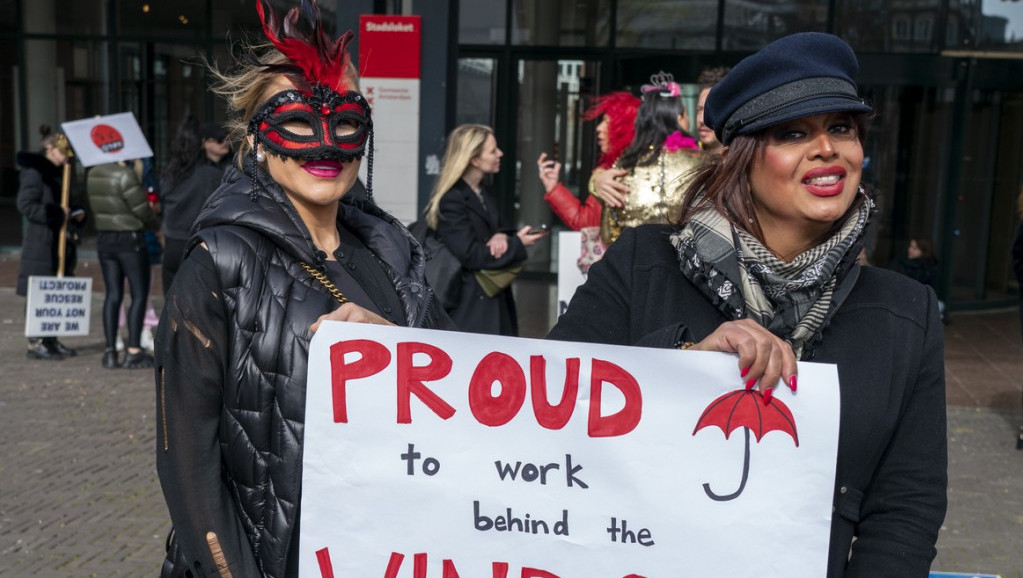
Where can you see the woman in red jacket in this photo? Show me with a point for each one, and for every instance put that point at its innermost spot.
(617, 114)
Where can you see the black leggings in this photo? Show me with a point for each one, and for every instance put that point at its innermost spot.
(118, 266)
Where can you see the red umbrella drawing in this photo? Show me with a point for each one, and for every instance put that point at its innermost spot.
(745, 409)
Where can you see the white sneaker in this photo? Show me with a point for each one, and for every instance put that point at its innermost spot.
(146, 340)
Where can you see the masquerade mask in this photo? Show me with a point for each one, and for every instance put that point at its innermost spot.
(323, 125)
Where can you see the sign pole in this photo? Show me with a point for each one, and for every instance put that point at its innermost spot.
(65, 147)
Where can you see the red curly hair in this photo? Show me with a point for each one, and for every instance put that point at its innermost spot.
(620, 108)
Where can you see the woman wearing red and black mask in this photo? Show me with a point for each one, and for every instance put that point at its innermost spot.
(278, 247)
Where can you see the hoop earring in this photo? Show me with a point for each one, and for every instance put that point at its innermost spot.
(260, 156)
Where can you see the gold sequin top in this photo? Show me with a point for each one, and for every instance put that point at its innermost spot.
(655, 193)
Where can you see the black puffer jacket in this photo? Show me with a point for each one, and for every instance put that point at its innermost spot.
(232, 358)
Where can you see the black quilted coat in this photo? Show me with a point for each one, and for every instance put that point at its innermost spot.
(232, 351)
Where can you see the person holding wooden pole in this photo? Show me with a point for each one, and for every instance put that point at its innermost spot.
(44, 202)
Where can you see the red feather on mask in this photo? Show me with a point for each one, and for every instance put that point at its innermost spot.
(320, 59)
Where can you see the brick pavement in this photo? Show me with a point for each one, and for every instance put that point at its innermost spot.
(79, 494)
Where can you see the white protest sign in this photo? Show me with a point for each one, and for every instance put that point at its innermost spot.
(433, 454)
(58, 306)
(107, 139)
(569, 275)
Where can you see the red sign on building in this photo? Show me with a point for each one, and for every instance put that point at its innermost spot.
(389, 46)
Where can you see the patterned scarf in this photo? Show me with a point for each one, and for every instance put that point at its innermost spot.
(742, 278)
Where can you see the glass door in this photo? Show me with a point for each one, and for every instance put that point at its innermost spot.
(551, 98)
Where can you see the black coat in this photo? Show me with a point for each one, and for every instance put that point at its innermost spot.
(1017, 255)
(887, 341)
(465, 226)
(923, 270)
(39, 203)
(232, 355)
(181, 201)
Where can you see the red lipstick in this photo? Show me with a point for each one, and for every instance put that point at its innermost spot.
(825, 181)
(324, 169)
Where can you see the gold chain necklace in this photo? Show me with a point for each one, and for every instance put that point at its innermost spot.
(325, 282)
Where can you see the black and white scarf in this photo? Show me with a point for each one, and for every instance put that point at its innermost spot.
(744, 279)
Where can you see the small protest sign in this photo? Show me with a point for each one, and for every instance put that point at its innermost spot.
(58, 306)
(433, 454)
(107, 139)
(570, 277)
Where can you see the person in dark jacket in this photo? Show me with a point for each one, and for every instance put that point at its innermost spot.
(762, 265)
(123, 214)
(919, 262)
(463, 210)
(278, 248)
(39, 202)
(199, 155)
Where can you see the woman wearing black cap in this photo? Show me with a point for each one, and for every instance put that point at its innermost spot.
(763, 265)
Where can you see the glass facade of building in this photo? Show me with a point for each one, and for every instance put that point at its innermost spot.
(945, 76)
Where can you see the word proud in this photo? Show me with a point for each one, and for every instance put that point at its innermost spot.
(358, 359)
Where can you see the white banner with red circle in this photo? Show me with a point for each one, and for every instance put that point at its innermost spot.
(107, 139)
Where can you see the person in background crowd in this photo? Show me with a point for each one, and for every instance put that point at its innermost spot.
(921, 263)
(199, 155)
(1017, 269)
(123, 213)
(39, 201)
(463, 210)
(154, 248)
(278, 248)
(617, 114)
(660, 156)
(707, 79)
(762, 265)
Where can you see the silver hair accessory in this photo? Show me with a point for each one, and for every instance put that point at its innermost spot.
(260, 156)
(664, 83)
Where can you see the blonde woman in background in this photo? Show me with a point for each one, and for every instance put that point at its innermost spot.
(463, 211)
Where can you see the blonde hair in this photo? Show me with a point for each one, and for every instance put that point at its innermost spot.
(244, 88)
(464, 144)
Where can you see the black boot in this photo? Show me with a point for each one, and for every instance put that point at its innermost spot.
(140, 360)
(110, 358)
(62, 349)
(38, 349)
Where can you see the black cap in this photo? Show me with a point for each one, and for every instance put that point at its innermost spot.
(799, 75)
(212, 130)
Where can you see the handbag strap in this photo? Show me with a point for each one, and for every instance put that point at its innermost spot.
(325, 282)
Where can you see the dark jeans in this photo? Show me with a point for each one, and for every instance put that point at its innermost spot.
(123, 255)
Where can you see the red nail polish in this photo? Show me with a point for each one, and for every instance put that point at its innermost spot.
(745, 370)
(792, 384)
(768, 394)
(750, 383)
